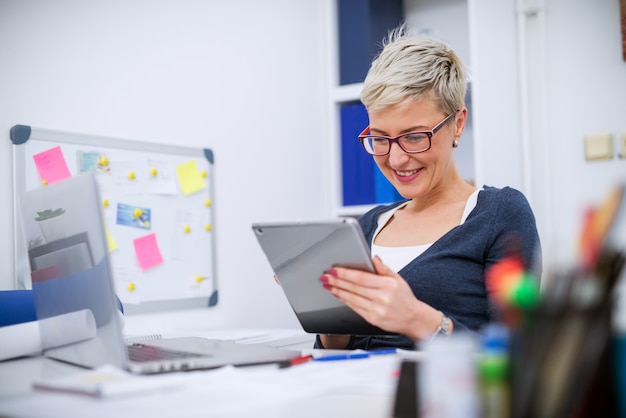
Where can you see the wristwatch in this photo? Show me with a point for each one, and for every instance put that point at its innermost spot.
(444, 326)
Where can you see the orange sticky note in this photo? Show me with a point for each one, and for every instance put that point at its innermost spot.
(51, 165)
(189, 178)
(147, 251)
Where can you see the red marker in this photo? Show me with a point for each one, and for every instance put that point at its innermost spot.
(296, 361)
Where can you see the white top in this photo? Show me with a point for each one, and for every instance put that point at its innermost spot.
(398, 257)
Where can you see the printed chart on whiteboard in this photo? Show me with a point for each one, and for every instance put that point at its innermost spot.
(157, 208)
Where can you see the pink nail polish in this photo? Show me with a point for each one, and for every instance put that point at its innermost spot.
(327, 286)
(332, 272)
(324, 279)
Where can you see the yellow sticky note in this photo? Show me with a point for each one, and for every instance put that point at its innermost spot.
(111, 244)
(189, 178)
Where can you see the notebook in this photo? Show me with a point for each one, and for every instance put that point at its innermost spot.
(299, 252)
(71, 273)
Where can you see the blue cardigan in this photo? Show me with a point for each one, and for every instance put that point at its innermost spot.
(450, 274)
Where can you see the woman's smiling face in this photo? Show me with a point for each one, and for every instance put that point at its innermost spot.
(417, 175)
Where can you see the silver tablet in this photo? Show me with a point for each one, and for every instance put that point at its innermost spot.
(300, 252)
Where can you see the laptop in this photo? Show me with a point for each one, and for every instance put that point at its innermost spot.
(299, 252)
(71, 277)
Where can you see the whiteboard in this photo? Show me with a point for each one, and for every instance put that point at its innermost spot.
(157, 207)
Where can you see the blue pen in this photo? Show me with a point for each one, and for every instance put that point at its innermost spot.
(350, 356)
(382, 351)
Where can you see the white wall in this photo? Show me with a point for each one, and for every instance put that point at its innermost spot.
(243, 78)
(586, 79)
(549, 77)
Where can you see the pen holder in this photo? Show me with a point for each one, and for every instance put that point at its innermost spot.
(562, 353)
(561, 363)
(619, 358)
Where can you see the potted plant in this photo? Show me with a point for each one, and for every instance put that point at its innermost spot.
(51, 223)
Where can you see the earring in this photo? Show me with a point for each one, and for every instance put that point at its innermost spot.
(455, 144)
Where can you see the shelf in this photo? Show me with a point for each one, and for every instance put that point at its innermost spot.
(347, 93)
(355, 210)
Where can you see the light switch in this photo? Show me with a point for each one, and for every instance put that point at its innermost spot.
(622, 144)
(599, 147)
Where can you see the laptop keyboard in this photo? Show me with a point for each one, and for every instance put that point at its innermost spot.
(140, 352)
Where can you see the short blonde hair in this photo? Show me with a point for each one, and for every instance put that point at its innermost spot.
(414, 67)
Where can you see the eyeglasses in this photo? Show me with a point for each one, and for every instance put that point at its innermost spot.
(410, 142)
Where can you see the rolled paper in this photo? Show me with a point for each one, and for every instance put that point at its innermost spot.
(31, 338)
(20, 340)
(67, 328)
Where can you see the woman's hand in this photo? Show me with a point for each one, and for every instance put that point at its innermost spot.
(383, 299)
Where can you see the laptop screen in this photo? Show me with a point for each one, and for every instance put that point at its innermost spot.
(70, 271)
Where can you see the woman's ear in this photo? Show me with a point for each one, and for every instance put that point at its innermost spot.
(459, 122)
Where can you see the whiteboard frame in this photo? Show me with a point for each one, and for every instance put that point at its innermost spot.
(20, 134)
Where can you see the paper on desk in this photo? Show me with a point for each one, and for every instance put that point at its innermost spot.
(302, 391)
(362, 387)
(108, 381)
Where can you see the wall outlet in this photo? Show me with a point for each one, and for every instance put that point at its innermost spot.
(622, 145)
(598, 147)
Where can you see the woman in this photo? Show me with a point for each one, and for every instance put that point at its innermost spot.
(431, 250)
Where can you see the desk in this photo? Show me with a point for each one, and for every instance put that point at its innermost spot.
(360, 387)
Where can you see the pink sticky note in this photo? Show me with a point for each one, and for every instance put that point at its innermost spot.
(51, 165)
(147, 251)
